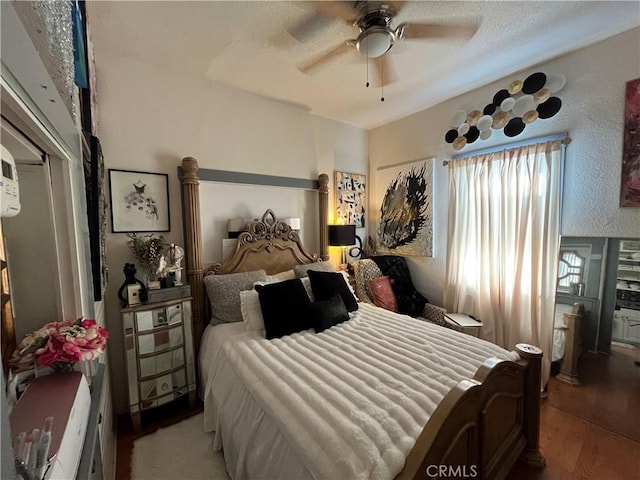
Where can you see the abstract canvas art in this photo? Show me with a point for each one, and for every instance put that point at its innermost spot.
(351, 189)
(630, 179)
(405, 218)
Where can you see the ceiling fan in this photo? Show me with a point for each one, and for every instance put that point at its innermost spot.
(377, 34)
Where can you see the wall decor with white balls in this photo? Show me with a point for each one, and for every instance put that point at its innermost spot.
(510, 110)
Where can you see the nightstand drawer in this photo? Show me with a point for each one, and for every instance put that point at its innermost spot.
(155, 342)
(161, 390)
(159, 317)
(161, 363)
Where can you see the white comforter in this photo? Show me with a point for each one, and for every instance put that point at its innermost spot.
(351, 400)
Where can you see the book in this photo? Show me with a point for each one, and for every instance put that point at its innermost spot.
(463, 320)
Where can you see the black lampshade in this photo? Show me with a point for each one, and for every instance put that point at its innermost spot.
(342, 235)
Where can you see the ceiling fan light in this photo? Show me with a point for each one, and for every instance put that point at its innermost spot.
(376, 43)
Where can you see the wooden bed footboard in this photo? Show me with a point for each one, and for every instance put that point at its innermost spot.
(483, 425)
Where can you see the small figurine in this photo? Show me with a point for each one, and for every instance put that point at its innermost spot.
(129, 271)
(174, 255)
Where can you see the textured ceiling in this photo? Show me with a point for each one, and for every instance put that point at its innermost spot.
(246, 45)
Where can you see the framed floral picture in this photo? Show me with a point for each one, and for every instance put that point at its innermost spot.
(139, 201)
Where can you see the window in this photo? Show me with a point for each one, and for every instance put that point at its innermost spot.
(504, 241)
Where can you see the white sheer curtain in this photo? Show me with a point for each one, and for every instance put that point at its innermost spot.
(503, 241)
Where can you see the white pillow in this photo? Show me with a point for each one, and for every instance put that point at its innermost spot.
(281, 277)
(345, 274)
(251, 311)
(306, 283)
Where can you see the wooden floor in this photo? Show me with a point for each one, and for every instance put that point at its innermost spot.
(609, 394)
(587, 432)
(592, 431)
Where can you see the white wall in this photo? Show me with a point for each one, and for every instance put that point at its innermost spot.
(150, 119)
(592, 114)
(251, 202)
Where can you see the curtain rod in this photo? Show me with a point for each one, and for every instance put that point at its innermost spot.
(564, 136)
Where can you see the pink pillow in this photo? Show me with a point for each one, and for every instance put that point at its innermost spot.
(382, 293)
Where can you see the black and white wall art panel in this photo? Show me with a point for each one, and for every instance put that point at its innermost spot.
(405, 203)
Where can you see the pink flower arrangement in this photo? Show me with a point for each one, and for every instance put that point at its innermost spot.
(59, 343)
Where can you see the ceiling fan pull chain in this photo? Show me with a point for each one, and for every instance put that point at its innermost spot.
(382, 83)
(367, 85)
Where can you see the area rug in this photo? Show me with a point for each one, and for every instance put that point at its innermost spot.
(181, 451)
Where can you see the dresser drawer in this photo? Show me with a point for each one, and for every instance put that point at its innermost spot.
(160, 363)
(159, 341)
(158, 317)
(161, 390)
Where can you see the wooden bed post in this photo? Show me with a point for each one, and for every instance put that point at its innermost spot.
(193, 250)
(531, 455)
(572, 345)
(323, 203)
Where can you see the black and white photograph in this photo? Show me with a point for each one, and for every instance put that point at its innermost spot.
(139, 201)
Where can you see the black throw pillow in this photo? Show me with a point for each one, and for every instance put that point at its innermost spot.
(327, 313)
(283, 308)
(327, 284)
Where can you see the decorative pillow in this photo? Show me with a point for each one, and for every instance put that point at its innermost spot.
(364, 270)
(251, 311)
(280, 277)
(327, 284)
(306, 283)
(327, 313)
(302, 270)
(223, 292)
(382, 293)
(410, 301)
(283, 308)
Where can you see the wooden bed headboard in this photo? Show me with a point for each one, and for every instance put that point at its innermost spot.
(268, 244)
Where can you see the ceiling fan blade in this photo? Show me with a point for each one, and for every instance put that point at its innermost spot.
(308, 27)
(317, 62)
(428, 31)
(321, 16)
(385, 71)
(396, 6)
(342, 10)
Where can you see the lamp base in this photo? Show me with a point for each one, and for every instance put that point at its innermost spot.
(344, 256)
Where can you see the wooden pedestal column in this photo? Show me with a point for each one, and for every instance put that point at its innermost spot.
(323, 206)
(193, 247)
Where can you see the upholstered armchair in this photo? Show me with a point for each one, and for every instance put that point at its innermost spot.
(367, 269)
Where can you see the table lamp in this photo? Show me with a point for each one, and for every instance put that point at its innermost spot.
(342, 236)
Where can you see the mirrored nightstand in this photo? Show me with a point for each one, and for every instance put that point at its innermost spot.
(159, 350)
